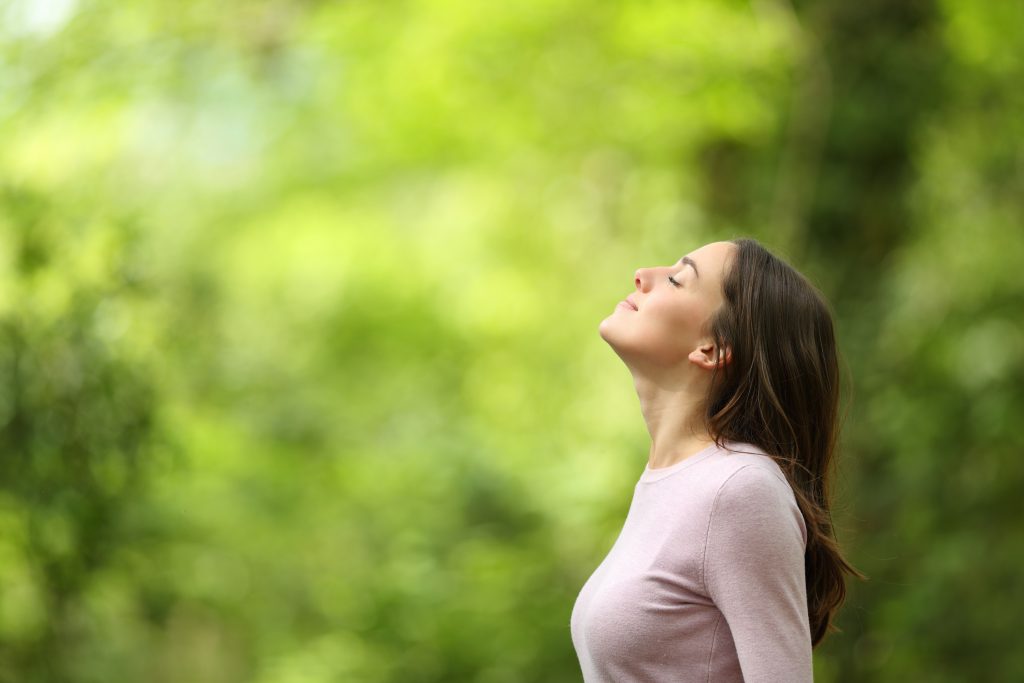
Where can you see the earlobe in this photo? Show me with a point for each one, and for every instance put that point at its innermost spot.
(708, 357)
(705, 357)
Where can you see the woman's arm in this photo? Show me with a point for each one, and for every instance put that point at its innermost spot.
(754, 573)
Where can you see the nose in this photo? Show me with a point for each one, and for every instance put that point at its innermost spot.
(640, 279)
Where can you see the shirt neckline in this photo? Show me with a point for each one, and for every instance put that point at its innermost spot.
(659, 473)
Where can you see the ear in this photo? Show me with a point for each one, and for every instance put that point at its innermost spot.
(706, 356)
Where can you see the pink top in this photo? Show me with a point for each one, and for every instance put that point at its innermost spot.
(705, 582)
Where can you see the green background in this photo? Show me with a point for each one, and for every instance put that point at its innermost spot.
(300, 378)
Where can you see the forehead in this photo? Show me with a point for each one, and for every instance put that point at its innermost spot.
(713, 258)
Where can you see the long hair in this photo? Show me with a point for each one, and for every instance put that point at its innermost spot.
(780, 392)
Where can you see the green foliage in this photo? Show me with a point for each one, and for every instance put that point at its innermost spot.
(299, 371)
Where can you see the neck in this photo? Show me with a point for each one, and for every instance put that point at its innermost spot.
(674, 413)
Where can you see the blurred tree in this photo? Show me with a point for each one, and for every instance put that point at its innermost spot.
(76, 434)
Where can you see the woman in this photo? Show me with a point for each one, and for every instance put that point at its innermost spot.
(726, 568)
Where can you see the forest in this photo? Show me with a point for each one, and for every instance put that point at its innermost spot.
(300, 377)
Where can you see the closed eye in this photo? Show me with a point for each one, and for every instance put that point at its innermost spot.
(673, 281)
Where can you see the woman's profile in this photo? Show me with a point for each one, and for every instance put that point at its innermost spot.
(726, 568)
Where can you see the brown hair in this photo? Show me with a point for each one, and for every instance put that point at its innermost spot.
(780, 392)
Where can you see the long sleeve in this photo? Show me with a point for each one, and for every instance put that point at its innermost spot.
(754, 573)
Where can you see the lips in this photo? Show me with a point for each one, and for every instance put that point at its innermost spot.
(631, 303)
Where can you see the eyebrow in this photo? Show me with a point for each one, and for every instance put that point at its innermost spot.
(686, 260)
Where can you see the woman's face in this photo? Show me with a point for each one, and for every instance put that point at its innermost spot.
(665, 323)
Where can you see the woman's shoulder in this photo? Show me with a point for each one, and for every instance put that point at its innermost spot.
(749, 484)
(756, 465)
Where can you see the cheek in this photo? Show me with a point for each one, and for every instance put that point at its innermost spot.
(671, 328)
(662, 333)
(682, 316)
(684, 323)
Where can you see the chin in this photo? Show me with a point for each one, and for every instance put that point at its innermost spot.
(610, 335)
(605, 329)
